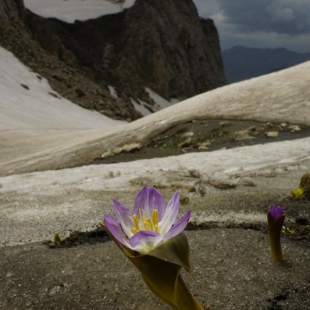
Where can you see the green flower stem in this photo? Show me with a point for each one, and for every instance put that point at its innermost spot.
(160, 270)
(164, 280)
(275, 228)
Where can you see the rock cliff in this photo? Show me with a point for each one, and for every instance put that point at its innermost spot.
(160, 44)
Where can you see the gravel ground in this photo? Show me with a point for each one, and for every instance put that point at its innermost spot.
(207, 136)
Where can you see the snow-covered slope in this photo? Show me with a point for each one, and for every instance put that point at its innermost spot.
(27, 101)
(279, 97)
(71, 10)
(74, 199)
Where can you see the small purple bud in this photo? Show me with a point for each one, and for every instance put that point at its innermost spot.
(276, 212)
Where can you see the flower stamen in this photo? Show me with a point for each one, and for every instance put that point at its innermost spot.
(150, 223)
(145, 223)
(135, 229)
(147, 226)
(155, 220)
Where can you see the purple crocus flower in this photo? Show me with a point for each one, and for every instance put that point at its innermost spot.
(276, 212)
(275, 218)
(151, 222)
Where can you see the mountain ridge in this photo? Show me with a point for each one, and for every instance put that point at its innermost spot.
(161, 45)
(242, 63)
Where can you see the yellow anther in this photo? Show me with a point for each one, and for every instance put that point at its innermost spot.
(155, 217)
(149, 221)
(134, 231)
(146, 226)
(136, 222)
(145, 223)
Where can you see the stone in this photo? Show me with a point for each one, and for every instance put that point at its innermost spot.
(242, 135)
(252, 128)
(224, 123)
(204, 144)
(223, 184)
(117, 150)
(187, 134)
(24, 86)
(106, 154)
(272, 134)
(185, 143)
(247, 181)
(132, 147)
(294, 128)
(282, 126)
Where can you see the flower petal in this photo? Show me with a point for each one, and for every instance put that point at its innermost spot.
(178, 227)
(276, 212)
(148, 199)
(124, 217)
(145, 240)
(114, 228)
(279, 211)
(170, 215)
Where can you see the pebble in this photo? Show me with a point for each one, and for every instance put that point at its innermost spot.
(272, 134)
(294, 128)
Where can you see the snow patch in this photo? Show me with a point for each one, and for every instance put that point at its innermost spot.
(141, 107)
(160, 101)
(28, 101)
(112, 91)
(72, 10)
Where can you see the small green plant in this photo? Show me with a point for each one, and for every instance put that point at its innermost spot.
(214, 133)
(160, 145)
(57, 241)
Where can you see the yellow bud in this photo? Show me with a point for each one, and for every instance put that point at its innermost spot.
(298, 193)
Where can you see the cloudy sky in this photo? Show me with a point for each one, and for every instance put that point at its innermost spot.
(260, 23)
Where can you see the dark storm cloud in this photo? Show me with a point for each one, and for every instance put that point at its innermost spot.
(260, 23)
(281, 16)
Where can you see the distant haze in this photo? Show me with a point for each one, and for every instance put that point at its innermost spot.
(242, 63)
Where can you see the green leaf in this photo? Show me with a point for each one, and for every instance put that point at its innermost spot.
(174, 250)
(164, 280)
(160, 269)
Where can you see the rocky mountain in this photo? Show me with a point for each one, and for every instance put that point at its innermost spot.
(242, 63)
(159, 44)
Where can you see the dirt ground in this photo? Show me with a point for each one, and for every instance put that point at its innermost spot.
(232, 269)
(232, 265)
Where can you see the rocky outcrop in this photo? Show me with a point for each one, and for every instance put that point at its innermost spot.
(161, 44)
(12, 10)
(169, 49)
(70, 81)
